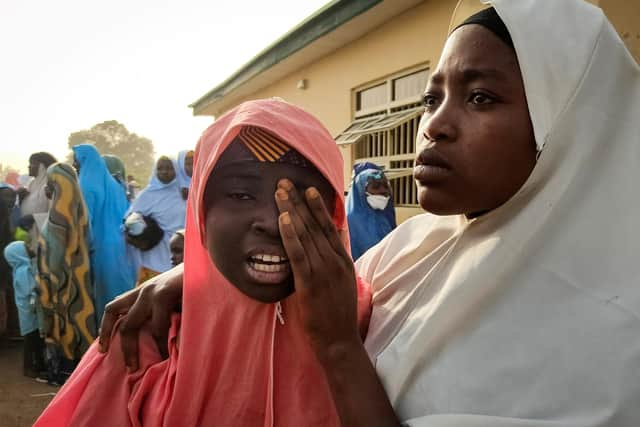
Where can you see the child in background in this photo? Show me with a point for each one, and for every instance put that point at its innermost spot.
(176, 244)
(26, 297)
(23, 230)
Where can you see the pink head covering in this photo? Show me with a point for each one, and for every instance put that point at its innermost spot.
(12, 179)
(236, 363)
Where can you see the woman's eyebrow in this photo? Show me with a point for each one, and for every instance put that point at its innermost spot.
(467, 75)
(240, 175)
(472, 74)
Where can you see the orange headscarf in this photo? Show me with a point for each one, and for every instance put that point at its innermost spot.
(237, 364)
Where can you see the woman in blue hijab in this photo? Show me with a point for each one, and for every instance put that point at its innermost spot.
(163, 202)
(370, 210)
(106, 203)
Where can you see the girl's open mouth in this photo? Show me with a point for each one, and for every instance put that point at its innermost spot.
(268, 269)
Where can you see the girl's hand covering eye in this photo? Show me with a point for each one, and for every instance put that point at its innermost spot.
(324, 276)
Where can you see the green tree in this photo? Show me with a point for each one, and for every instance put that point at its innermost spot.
(112, 137)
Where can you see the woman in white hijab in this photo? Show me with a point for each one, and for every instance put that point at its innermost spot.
(527, 315)
(34, 200)
(520, 305)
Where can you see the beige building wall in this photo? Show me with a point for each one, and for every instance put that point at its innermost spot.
(625, 16)
(411, 39)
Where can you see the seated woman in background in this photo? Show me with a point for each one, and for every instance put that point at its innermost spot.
(64, 274)
(161, 203)
(370, 210)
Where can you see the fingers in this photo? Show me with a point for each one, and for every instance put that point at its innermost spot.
(295, 251)
(288, 201)
(160, 323)
(112, 312)
(131, 325)
(324, 221)
(161, 319)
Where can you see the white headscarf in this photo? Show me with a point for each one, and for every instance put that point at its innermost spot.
(36, 201)
(165, 204)
(530, 314)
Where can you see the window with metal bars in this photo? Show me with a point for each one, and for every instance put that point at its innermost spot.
(387, 115)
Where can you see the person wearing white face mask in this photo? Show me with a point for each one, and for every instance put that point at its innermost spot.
(370, 210)
(378, 201)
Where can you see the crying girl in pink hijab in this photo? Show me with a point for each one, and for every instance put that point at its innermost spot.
(238, 354)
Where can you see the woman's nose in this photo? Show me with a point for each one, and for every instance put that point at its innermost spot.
(440, 124)
(266, 220)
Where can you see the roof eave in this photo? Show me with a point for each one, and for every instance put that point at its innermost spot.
(324, 21)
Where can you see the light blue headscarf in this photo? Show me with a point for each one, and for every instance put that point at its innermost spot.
(107, 203)
(184, 180)
(367, 226)
(24, 284)
(164, 203)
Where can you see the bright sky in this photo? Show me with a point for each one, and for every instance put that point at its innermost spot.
(70, 64)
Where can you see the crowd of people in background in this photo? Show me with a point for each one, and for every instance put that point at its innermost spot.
(76, 236)
(69, 247)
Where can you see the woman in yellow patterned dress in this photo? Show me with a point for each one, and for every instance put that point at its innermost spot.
(64, 274)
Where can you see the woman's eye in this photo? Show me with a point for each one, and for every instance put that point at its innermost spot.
(240, 196)
(480, 99)
(429, 101)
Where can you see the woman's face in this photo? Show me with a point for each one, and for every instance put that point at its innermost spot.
(33, 167)
(378, 188)
(176, 246)
(478, 147)
(165, 171)
(188, 163)
(242, 234)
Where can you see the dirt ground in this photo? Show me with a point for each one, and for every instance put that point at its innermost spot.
(22, 399)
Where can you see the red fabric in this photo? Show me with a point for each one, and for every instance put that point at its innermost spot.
(235, 364)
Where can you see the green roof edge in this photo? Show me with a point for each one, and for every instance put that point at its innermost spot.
(322, 22)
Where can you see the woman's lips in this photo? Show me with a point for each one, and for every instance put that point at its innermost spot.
(268, 269)
(431, 167)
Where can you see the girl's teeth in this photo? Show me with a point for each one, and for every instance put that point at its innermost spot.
(269, 268)
(268, 258)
